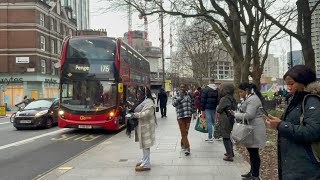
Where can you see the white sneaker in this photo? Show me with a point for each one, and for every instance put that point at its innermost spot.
(209, 140)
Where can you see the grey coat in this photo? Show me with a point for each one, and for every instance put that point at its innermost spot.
(145, 133)
(249, 110)
(295, 158)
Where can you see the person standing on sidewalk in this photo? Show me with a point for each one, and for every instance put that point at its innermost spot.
(209, 101)
(227, 102)
(299, 127)
(145, 133)
(250, 110)
(196, 97)
(184, 105)
(163, 98)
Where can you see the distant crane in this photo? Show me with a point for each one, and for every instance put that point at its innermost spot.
(145, 21)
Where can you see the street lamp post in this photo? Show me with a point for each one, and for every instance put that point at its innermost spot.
(162, 47)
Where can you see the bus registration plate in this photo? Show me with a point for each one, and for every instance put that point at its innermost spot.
(85, 126)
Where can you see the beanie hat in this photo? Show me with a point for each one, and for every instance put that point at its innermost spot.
(301, 74)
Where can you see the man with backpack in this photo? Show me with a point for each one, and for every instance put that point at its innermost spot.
(209, 101)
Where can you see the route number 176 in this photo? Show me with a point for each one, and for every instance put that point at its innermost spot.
(105, 68)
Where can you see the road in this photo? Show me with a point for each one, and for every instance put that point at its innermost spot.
(28, 154)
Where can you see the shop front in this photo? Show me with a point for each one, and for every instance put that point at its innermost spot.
(14, 87)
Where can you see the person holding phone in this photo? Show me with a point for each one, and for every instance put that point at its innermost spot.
(296, 157)
(249, 110)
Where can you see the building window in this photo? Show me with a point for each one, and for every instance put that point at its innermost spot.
(64, 33)
(70, 32)
(52, 46)
(59, 47)
(42, 43)
(52, 68)
(58, 26)
(52, 24)
(42, 19)
(43, 66)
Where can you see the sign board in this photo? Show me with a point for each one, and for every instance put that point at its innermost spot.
(30, 70)
(3, 110)
(22, 60)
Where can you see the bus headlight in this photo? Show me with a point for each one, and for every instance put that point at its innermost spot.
(61, 113)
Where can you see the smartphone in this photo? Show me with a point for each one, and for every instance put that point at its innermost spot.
(263, 111)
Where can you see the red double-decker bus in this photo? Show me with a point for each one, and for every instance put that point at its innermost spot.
(98, 76)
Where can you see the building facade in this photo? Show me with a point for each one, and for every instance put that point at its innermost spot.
(31, 35)
(271, 67)
(315, 32)
(80, 12)
(297, 58)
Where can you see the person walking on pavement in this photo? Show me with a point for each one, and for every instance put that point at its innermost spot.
(196, 97)
(25, 101)
(209, 101)
(227, 102)
(184, 105)
(299, 127)
(250, 110)
(145, 133)
(163, 98)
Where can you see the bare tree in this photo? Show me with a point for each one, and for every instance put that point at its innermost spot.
(200, 45)
(303, 34)
(239, 26)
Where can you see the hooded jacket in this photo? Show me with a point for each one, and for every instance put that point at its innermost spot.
(227, 102)
(295, 158)
(209, 97)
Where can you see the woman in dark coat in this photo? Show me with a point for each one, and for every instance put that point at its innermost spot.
(227, 102)
(296, 159)
(196, 97)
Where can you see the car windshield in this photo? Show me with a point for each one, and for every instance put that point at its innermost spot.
(39, 104)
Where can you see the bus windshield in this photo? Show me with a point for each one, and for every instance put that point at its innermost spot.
(88, 95)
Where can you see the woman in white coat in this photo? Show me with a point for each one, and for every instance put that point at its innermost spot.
(145, 132)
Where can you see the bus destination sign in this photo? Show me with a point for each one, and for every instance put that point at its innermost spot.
(93, 68)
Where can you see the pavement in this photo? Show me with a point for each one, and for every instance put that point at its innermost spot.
(8, 114)
(115, 158)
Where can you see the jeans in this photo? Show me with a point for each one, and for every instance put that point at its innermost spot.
(228, 145)
(145, 162)
(254, 161)
(210, 115)
(184, 124)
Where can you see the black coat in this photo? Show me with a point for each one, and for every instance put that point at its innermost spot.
(209, 98)
(295, 158)
(163, 98)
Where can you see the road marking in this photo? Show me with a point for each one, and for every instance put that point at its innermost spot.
(76, 137)
(5, 123)
(31, 139)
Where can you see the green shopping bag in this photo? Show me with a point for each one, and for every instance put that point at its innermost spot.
(201, 125)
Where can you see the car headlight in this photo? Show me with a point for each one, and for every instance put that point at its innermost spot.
(41, 113)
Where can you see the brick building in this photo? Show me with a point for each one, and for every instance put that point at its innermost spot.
(31, 34)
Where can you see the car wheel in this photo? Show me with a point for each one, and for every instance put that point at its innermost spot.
(49, 123)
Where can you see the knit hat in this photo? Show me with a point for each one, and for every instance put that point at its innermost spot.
(301, 74)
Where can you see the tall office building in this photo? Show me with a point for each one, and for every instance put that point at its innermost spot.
(271, 67)
(315, 30)
(80, 12)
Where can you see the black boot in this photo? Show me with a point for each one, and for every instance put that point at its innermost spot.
(247, 175)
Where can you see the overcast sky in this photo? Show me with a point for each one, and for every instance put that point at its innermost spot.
(116, 24)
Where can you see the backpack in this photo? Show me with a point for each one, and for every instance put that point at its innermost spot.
(315, 146)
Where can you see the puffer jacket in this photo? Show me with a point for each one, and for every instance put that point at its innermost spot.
(295, 158)
(184, 106)
(209, 97)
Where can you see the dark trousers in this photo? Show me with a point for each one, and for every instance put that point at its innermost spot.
(163, 111)
(184, 124)
(229, 146)
(254, 161)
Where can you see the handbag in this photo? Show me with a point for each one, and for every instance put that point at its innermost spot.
(240, 132)
(157, 109)
(201, 125)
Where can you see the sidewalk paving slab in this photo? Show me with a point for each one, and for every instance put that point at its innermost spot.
(115, 158)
